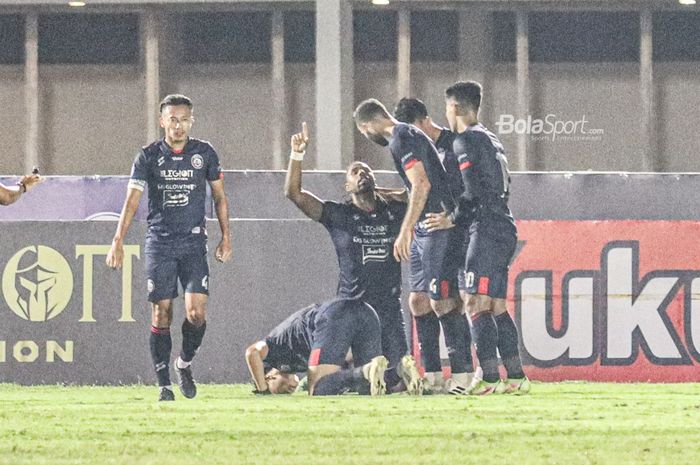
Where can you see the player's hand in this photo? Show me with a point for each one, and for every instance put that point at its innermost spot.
(437, 221)
(115, 257)
(223, 250)
(402, 245)
(31, 180)
(301, 139)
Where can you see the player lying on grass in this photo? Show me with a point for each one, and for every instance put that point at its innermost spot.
(363, 231)
(316, 340)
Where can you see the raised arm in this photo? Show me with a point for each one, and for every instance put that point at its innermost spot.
(308, 203)
(395, 194)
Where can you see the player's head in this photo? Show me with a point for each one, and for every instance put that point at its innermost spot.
(176, 117)
(462, 99)
(281, 383)
(359, 178)
(371, 117)
(413, 111)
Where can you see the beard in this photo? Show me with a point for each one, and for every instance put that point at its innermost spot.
(365, 186)
(378, 139)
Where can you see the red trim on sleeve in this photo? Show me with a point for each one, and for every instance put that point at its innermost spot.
(483, 286)
(314, 357)
(465, 165)
(410, 164)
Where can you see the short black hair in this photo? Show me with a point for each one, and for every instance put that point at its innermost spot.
(467, 94)
(175, 100)
(370, 109)
(410, 110)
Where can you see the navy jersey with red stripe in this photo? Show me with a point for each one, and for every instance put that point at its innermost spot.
(485, 177)
(408, 146)
(177, 186)
(364, 243)
(444, 145)
(289, 343)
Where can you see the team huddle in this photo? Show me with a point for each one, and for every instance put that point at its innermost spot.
(451, 223)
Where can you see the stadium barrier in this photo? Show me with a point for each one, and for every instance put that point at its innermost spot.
(604, 287)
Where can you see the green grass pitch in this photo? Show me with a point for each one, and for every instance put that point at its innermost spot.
(567, 423)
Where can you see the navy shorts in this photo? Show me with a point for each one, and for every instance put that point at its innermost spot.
(488, 258)
(394, 342)
(166, 265)
(435, 262)
(344, 324)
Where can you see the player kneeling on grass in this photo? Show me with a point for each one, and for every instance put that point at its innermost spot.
(316, 339)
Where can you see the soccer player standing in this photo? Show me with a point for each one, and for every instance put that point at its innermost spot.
(176, 170)
(418, 163)
(413, 111)
(483, 206)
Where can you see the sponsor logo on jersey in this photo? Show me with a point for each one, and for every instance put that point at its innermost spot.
(197, 161)
(373, 253)
(373, 230)
(176, 174)
(175, 198)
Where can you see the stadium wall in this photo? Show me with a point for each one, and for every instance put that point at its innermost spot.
(92, 115)
(604, 286)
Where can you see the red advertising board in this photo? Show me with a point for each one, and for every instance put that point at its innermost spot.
(608, 300)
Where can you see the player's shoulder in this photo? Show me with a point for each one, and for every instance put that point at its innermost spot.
(152, 149)
(471, 135)
(337, 209)
(201, 145)
(396, 207)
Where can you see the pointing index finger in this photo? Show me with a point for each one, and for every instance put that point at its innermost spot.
(305, 131)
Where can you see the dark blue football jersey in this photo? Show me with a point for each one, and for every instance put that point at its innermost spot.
(485, 176)
(364, 244)
(177, 186)
(408, 146)
(444, 145)
(289, 343)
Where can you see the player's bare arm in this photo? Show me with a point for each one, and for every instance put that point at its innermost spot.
(223, 250)
(308, 203)
(420, 188)
(254, 356)
(395, 194)
(115, 257)
(9, 195)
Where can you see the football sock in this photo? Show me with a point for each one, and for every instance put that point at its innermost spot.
(486, 334)
(161, 344)
(338, 382)
(508, 345)
(191, 339)
(456, 332)
(391, 377)
(428, 330)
